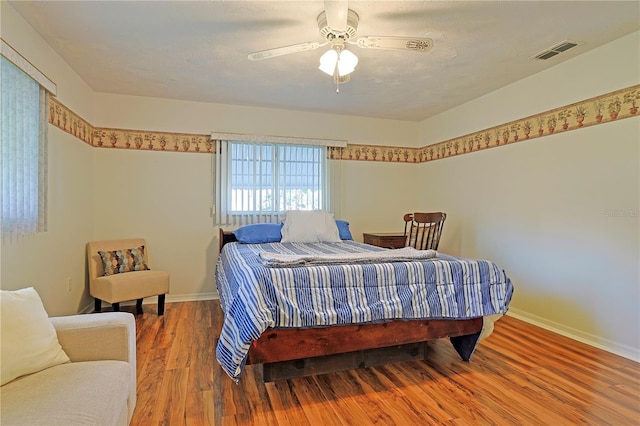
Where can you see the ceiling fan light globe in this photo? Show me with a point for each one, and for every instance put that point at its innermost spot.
(344, 70)
(347, 63)
(328, 62)
(349, 56)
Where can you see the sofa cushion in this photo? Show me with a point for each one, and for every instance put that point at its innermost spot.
(29, 341)
(123, 260)
(130, 286)
(78, 393)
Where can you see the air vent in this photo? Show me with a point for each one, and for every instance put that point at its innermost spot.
(555, 50)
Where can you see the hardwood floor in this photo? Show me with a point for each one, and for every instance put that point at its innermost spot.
(520, 375)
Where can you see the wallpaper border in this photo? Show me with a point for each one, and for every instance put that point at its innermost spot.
(602, 109)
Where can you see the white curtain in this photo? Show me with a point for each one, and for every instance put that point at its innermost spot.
(23, 153)
(258, 182)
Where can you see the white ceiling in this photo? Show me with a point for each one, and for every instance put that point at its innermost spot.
(197, 50)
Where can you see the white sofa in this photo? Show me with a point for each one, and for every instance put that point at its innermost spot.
(98, 386)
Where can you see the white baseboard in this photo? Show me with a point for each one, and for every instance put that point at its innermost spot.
(572, 333)
(170, 298)
(189, 297)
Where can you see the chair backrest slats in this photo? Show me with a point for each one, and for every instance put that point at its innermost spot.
(423, 230)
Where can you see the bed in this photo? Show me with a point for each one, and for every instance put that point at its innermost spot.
(297, 320)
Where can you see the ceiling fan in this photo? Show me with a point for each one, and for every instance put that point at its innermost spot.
(338, 25)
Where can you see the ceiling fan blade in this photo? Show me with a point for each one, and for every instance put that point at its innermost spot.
(285, 50)
(336, 11)
(418, 44)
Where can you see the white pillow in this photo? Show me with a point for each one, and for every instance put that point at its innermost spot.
(309, 226)
(29, 342)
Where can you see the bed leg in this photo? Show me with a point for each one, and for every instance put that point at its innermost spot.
(465, 345)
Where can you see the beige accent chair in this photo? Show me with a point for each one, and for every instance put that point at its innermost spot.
(125, 286)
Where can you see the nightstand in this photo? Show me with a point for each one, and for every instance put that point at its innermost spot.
(391, 240)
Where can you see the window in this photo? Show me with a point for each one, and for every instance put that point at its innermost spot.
(276, 178)
(23, 152)
(257, 182)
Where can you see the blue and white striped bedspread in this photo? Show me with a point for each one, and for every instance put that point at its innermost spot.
(255, 297)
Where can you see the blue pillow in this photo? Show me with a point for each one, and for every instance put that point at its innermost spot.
(343, 230)
(258, 233)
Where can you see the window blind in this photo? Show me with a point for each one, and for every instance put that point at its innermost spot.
(258, 182)
(23, 153)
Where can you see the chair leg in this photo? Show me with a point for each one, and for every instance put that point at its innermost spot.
(161, 304)
(116, 307)
(139, 306)
(97, 305)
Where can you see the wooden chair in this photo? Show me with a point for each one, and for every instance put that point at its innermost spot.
(125, 286)
(423, 230)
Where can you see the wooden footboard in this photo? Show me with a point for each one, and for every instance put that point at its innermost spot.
(294, 343)
(287, 353)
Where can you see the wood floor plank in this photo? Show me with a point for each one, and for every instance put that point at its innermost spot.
(315, 405)
(378, 401)
(521, 375)
(146, 334)
(376, 384)
(437, 401)
(199, 408)
(342, 399)
(285, 404)
(149, 381)
(254, 397)
(172, 398)
(183, 339)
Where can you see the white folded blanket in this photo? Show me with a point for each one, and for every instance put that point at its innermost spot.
(406, 254)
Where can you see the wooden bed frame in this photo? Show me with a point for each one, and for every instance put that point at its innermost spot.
(295, 352)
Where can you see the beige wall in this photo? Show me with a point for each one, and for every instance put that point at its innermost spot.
(133, 112)
(560, 213)
(375, 195)
(163, 197)
(47, 261)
